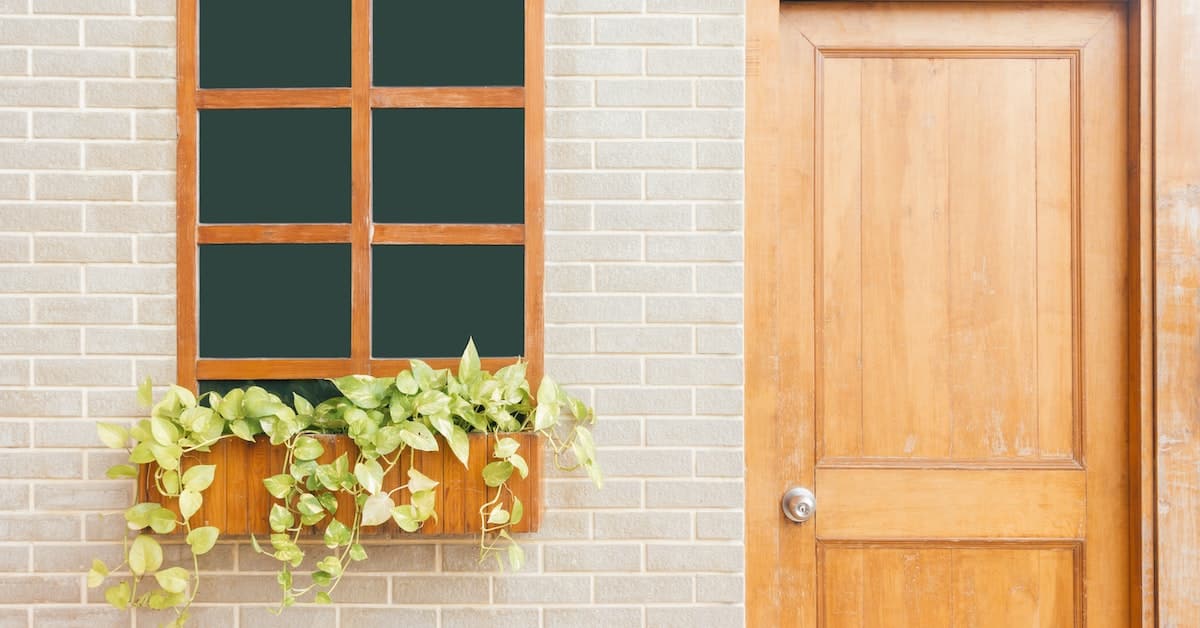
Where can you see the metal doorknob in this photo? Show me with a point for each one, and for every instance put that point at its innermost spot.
(799, 504)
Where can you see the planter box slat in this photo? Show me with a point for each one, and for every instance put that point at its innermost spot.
(239, 504)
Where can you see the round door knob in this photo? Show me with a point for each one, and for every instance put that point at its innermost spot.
(799, 504)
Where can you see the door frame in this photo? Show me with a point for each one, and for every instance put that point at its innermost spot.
(771, 590)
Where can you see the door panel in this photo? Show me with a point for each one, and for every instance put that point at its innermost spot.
(953, 200)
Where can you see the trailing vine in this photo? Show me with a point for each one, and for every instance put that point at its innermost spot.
(421, 409)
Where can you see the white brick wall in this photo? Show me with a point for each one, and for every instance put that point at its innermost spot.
(643, 311)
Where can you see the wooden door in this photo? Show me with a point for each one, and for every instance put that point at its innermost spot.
(951, 259)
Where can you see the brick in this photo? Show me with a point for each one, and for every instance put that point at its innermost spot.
(80, 62)
(720, 588)
(40, 217)
(660, 525)
(154, 63)
(83, 310)
(719, 278)
(568, 155)
(720, 93)
(156, 310)
(11, 7)
(432, 589)
(644, 463)
(156, 7)
(39, 93)
(14, 186)
(694, 616)
(264, 589)
(40, 403)
(13, 497)
(39, 340)
(694, 371)
(511, 589)
(726, 340)
(14, 559)
(695, 62)
(39, 155)
(155, 125)
(644, 30)
(491, 617)
(14, 124)
(643, 278)
(707, 309)
(14, 309)
(566, 92)
(695, 6)
(593, 309)
(693, 557)
(568, 339)
(584, 494)
(42, 465)
(644, 589)
(82, 125)
(141, 218)
(90, 248)
(719, 155)
(593, 6)
(295, 617)
(593, 124)
(568, 278)
(14, 62)
(568, 217)
(82, 372)
(693, 432)
(464, 557)
(104, 527)
(643, 93)
(644, 400)
(35, 278)
(643, 340)
(568, 30)
(139, 155)
(694, 123)
(92, 495)
(595, 370)
(72, 616)
(14, 249)
(718, 31)
(90, 187)
(608, 185)
(564, 525)
(643, 217)
(718, 216)
(388, 617)
(592, 557)
(719, 401)
(39, 31)
(129, 32)
(593, 248)
(27, 589)
(593, 61)
(113, 404)
(85, 7)
(133, 94)
(693, 185)
(608, 616)
(621, 155)
(14, 372)
(693, 494)
(130, 279)
(726, 463)
(156, 187)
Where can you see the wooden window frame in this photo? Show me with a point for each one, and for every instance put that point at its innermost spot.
(361, 98)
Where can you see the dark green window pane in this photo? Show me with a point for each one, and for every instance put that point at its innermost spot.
(275, 165)
(275, 43)
(314, 390)
(449, 165)
(473, 43)
(426, 301)
(275, 301)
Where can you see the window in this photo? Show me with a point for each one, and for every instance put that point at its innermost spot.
(348, 171)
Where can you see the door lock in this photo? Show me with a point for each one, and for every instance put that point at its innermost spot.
(799, 504)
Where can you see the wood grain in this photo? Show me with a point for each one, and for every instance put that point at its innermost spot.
(448, 97)
(286, 98)
(187, 322)
(360, 192)
(273, 234)
(447, 234)
(535, 184)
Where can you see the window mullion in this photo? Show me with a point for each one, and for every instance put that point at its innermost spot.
(360, 103)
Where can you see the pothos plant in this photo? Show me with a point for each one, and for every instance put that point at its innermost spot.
(420, 409)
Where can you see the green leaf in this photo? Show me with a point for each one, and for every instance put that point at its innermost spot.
(460, 444)
(545, 416)
(242, 429)
(121, 472)
(331, 565)
(336, 534)
(138, 515)
(329, 501)
(162, 521)
(520, 464)
(204, 538)
(170, 482)
(199, 477)
(407, 518)
(370, 475)
(322, 598)
(173, 580)
(230, 406)
(118, 595)
(281, 518)
(113, 436)
(279, 485)
(468, 366)
(498, 516)
(423, 501)
(388, 439)
(417, 436)
(377, 509)
(258, 403)
(407, 384)
(363, 391)
(308, 505)
(165, 432)
(307, 448)
(585, 452)
(167, 456)
(506, 447)
(145, 393)
(302, 404)
(497, 473)
(185, 396)
(358, 552)
(418, 481)
(516, 556)
(518, 511)
(189, 503)
(145, 555)
(97, 574)
(162, 600)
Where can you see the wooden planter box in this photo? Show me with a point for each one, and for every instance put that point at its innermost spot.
(239, 504)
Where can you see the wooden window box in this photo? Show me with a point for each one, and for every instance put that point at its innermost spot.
(239, 504)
